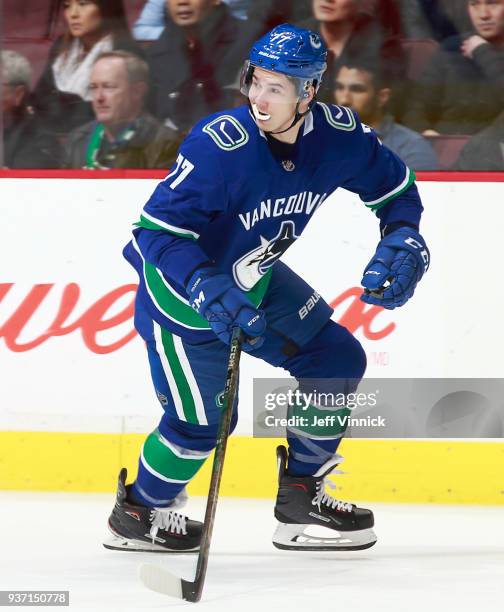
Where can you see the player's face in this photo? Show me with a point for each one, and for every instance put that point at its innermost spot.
(487, 17)
(115, 100)
(190, 12)
(275, 97)
(334, 10)
(83, 17)
(354, 88)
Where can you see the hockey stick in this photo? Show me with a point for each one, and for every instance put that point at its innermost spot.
(158, 578)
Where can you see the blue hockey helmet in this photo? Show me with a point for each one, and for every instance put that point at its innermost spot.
(296, 52)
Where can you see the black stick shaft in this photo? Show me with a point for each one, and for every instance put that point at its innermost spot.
(195, 589)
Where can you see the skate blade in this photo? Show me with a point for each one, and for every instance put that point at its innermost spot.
(119, 543)
(293, 537)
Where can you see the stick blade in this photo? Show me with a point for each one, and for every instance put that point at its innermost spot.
(159, 579)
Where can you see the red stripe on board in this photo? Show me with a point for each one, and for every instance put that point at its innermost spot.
(448, 177)
(462, 177)
(84, 174)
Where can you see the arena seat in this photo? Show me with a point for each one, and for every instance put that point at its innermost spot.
(418, 53)
(26, 19)
(447, 148)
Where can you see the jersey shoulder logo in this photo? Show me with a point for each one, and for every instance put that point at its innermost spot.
(227, 132)
(339, 117)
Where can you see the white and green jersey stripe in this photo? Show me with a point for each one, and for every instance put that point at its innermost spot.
(382, 201)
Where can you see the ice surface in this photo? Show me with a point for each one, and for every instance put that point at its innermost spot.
(427, 558)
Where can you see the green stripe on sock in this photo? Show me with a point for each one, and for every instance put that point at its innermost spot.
(180, 380)
(162, 459)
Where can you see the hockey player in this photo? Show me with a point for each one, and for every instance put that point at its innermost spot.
(208, 250)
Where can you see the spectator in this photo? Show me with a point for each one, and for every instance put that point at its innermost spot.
(353, 29)
(92, 27)
(154, 17)
(122, 135)
(200, 51)
(462, 89)
(485, 150)
(26, 143)
(364, 90)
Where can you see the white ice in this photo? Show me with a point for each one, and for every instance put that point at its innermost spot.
(427, 558)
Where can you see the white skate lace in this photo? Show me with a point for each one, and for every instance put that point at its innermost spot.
(167, 520)
(321, 497)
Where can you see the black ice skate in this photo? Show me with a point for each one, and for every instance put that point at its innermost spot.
(146, 529)
(302, 502)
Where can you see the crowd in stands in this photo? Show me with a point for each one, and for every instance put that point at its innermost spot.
(121, 88)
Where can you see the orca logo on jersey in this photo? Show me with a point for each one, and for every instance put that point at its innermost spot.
(251, 267)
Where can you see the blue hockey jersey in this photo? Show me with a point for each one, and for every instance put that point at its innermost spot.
(230, 201)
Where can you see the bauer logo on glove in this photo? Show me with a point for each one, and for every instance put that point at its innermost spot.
(400, 261)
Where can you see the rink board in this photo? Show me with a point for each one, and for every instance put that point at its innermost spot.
(71, 363)
(379, 470)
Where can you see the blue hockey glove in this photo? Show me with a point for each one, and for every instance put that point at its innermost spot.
(400, 261)
(215, 296)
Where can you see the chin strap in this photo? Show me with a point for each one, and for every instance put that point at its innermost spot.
(297, 116)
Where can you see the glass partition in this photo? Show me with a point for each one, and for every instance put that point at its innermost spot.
(100, 84)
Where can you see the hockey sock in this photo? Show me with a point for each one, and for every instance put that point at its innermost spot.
(164, 469)
(314, 438)
(328, 368)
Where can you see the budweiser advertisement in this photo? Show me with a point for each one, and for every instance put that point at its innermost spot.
(71, 359)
